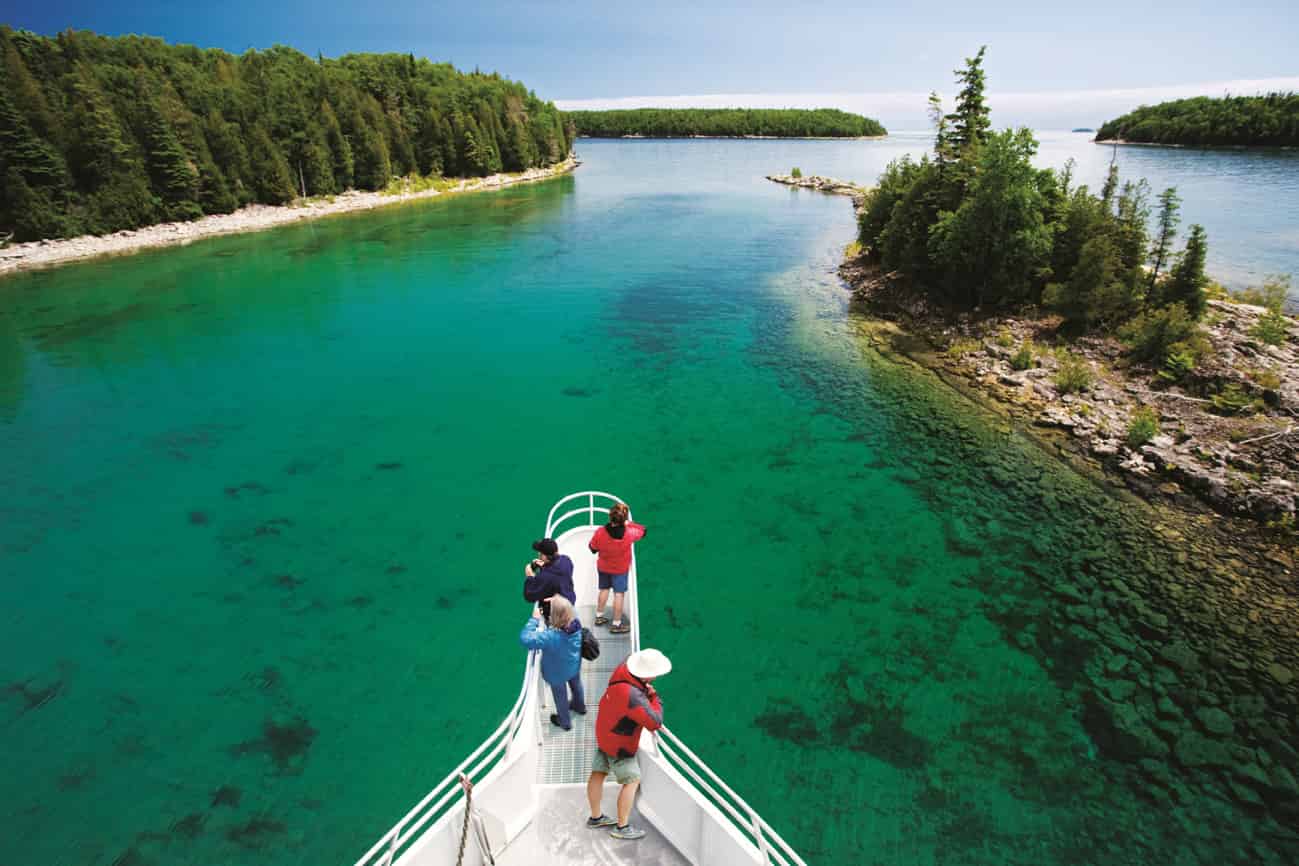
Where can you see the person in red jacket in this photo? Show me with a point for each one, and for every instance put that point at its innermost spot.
(612, 544)
(630, 703)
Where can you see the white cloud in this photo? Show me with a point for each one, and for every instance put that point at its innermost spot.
(907, 109)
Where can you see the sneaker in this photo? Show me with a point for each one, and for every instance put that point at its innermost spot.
(602, 821)
(601, 619)
(554, 720)
(620, 627)
(627, 832)
(581, 711)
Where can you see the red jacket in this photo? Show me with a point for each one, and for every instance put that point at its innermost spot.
(626, 708)
(615, 553)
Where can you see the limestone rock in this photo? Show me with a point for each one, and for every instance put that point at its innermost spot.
(1216, 721)
(1196, 750)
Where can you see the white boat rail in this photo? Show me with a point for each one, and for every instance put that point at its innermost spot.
(426, 812)
(667, 747)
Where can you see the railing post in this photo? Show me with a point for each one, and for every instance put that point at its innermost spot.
(392, 847)
(590, 512)
(756, 823)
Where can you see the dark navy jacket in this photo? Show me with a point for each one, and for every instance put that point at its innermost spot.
(554, 578)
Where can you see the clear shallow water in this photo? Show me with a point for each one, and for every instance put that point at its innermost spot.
(268, 497)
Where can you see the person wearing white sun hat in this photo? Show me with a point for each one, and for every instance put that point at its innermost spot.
(630, 704)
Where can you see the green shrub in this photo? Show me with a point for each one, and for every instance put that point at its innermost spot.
(1152, 334)
(963, 346)
(1272, 328)
(1272, 294)
(796, 172)
(1074, 374)
(1179, 362)
(1024, 358)
(1232, 400)
(1005, 339)
(1266, 377)
(853, 250)
(1143, 426)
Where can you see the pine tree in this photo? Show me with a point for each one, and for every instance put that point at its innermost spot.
(26, 212)
(173, 175)
(1187, 280)
(21, 148)
(1169, 217)
(271, 180)
(339, 147)
(970, 121)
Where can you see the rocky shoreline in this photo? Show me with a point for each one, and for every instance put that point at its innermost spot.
(37, 254)
(829, 185)
(1184, 666)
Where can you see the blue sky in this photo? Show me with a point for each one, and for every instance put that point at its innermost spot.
(1049, 64)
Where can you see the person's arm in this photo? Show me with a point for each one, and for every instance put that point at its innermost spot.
(646, 710)
(595, 543)
(636, 531)
(532, 635)
(538, 586)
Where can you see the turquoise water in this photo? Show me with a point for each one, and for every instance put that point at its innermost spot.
(268, 499)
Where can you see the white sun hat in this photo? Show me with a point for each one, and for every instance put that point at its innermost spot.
(648, 663)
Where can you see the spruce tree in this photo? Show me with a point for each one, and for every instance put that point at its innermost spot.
(1169, 217)
(1187, 280)
(173, 175)
(970, 121)
(271, 180)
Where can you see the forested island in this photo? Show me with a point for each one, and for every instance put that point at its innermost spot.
(100, 134)
(724, 123)
(1238, 121)
(1086, 314)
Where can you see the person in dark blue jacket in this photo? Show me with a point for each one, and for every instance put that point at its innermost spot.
(549, 574)
(561, 658)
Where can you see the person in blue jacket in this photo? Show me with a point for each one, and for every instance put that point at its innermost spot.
(561, 658)
(549, 574)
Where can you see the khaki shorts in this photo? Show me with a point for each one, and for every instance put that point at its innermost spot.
(624, 770)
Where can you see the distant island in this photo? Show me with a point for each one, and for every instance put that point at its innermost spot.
(103, 134)
(1232, 121)
(724, 123)
(1083, 129)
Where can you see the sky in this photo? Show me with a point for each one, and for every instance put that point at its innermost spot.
(1049, 64)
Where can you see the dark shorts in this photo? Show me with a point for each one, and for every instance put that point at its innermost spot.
(616, 582)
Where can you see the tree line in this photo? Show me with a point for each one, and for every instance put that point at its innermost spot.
(976, 225)
(1271, 120)
(99, 134)
(683, 122)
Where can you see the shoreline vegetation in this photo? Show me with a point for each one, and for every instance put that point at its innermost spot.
(724, 123)
(258, 217)
(104, 134)
(1269, 120)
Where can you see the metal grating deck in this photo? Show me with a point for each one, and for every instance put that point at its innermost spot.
(566, 755)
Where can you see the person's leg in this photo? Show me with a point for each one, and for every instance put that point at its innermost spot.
(578, 702)
(626, 797)
(594, 790)
(617, 608)
(604, 582)
(561, 716)
(619, 582)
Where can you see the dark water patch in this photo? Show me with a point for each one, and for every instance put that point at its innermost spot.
(285, 742)
(444, 603)
(198, 518)
(784, 721)
(672, 616)
(387, 466)
(130, 857)
(76, 779)
(256, 487)
(226, 795)
(267, 679)
(188, 827)
(287, 581)
(395, 570)
(299, 467)
(33, 695)
(573, 391)
(360, 601)
(273, 526)
(255, 832)
(89, 327)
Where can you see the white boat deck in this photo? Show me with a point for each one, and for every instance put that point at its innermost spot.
(529, 777)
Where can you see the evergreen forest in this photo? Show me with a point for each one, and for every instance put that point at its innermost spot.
(1261, 121)
(724, 122)
(976, 225)
(100, 134)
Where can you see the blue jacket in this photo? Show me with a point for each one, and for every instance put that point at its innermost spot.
(561, 650)
(554, 578)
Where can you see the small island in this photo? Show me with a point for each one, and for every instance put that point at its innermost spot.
(1082, 129)
(1232, 121)
(724, 123)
